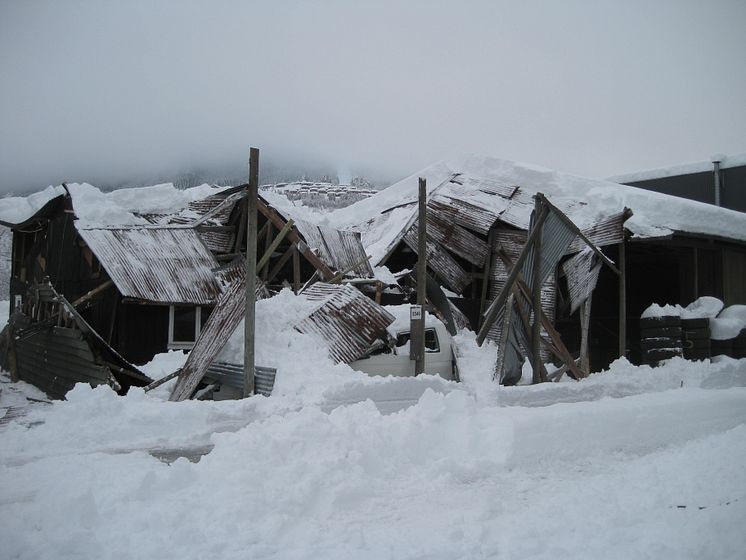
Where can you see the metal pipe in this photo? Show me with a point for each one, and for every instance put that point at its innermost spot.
(716, 171)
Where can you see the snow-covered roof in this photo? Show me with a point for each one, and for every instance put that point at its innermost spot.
(471, 179)
(726, 162)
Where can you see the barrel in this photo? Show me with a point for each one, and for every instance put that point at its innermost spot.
(660, 339)
(696, 338)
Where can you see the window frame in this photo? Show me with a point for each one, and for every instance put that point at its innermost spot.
(183, 344)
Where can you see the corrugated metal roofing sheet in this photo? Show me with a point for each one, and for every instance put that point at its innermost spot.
(157, 265)
(349, 321)
(340, 250)
(582, 274)
(224, 319)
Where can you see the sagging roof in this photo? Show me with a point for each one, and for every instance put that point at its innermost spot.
(156, 265)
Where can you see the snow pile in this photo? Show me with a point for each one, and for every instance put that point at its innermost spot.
(453, 476)
(704, 307)
(17, 209)
(657, 311)
(729, 323)
(118, 208)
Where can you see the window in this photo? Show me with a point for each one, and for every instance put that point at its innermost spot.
(431, 340)
(185, 322)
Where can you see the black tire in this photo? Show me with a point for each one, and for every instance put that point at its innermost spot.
(696, 353)
(658, 322)
(700, 334)
(695, 344)
(660, 342)
(698, 323)
(659, 354)
(672, 332)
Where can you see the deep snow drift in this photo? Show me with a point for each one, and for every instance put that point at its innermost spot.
(633, 462)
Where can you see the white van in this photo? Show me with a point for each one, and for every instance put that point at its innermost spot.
(394, 359)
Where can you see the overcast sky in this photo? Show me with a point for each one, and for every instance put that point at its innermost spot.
(106, 91)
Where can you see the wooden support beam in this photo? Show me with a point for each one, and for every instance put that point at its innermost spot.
(274, 244)
(310, 256)
(296, 269)
(251, 268)
(418, 337)
(280, 263)
(92, 293)
(536, 325)
(585, 325)
(564, 353)
(622, 300)
(486, 276)
(264, 270)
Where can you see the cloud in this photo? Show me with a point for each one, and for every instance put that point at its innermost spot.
(105, 91)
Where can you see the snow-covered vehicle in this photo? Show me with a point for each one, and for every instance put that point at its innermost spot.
(393, 359)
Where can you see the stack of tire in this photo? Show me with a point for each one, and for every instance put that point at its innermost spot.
(660, 339)
(739, 345)
(696, 338)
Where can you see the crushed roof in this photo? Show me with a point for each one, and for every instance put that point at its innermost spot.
(382, 218)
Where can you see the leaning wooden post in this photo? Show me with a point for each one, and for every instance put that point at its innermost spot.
(417, 317)
(249, 319)
(622, 298)
(536, 326)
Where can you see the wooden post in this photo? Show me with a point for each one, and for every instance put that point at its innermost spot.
(585, 325)
(249, 319)
(622, 299)
(486, 278)
(419, 366)
(536, 325)
(296, 269)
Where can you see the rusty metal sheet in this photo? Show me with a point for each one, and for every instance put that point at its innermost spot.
(466, 213)
(217, 241)
(340, 250)
(158, 265)
(606, 232)
(225, 317)
(346, 319)
(582, 272)
(441, 263)
(454, 238)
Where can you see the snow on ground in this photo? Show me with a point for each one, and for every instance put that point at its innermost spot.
(632, 462)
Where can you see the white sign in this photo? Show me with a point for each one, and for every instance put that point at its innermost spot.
(415, 313)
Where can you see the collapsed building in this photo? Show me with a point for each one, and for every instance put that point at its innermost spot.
(130, 274)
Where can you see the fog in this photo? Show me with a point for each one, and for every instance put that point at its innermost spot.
(130, 91)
